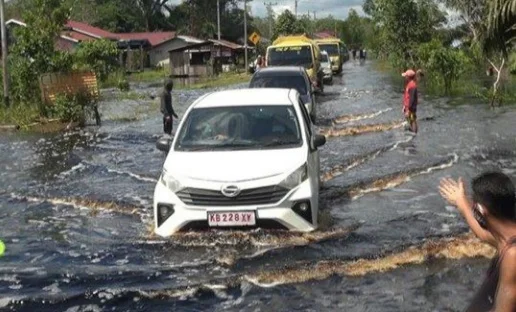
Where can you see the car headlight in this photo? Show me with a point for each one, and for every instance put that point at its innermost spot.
(295, 178)
(168, 180)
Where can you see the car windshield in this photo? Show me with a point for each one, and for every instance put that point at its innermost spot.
(284, 56)
(280, 81)
(324, 58)
(331, 49)
(240, 128)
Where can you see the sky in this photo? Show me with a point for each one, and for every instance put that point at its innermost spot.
(337, 8)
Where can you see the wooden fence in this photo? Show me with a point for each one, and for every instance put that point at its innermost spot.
(53, 84)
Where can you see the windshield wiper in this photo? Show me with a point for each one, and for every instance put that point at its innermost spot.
(278, 143)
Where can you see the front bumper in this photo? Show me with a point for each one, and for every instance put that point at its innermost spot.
(186, 216)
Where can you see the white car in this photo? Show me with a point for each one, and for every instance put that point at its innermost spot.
(326, 67)
(241, 159)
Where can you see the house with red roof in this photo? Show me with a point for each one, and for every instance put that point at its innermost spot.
(151, 45)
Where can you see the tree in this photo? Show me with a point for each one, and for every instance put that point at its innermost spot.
(403, 25)
(34, 52)
(287, 24)
(499, 38)
(99, 56)
(354, 29)
(444, 63)
(472, 13)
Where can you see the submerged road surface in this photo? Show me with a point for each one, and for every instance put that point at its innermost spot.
(76, 215)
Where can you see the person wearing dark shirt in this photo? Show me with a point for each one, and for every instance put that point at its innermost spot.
(166, 107)
(410, 99)
(491, 215)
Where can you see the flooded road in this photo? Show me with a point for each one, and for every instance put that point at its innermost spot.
(76, 214)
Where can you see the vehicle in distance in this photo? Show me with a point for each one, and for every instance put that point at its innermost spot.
(337, 51)
(297, 51)
(326, 66)
(241, 159)
(289, 77)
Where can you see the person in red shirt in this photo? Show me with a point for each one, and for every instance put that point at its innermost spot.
(410, 99)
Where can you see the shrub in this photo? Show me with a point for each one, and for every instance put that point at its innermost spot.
(442, 64)
(99, 56)
(76, 107)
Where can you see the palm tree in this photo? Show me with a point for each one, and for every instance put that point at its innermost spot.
(501, 26)
(499, 36)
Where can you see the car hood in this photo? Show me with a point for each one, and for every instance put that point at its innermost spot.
(234, 166)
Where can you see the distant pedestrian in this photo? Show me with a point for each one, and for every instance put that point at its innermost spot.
(354, 53)
(491, 215)
(166, 107)
(410, 99)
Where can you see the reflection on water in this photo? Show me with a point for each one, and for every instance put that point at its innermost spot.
(79, 216)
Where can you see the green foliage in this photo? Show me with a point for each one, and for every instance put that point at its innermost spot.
(443, 64)
(100, 56)
(287, 24)
(34, 52)
(404, 24)
(72, 107)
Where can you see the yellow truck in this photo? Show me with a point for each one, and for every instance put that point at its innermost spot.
(337, 51)
(297, 51)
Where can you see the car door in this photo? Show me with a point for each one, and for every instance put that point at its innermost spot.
(313, 161)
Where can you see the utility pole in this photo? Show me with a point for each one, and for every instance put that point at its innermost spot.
(295, 7)
(4, 54)
(315, 17)
(269, 5)
(218, 19)
(245, 35)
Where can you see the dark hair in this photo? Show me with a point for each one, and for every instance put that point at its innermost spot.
(495, 191)
(169, 83)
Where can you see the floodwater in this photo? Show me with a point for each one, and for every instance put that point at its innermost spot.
(76, 214)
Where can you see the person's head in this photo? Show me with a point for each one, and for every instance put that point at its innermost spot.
(169, 84)
(494, 198)
(409, 75)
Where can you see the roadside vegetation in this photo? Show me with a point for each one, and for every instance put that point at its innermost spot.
(473, 59)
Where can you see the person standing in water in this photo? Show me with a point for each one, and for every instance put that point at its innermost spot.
(491, 215)
(166, 107)
(410, 99)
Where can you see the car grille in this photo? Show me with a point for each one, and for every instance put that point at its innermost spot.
(257, 196)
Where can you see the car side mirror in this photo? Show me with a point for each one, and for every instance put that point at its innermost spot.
(318, 141)
(164, 144)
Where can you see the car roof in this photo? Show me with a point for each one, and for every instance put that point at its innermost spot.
(281, 69)
(246, 97)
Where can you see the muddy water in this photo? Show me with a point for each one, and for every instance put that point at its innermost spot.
(76, 210)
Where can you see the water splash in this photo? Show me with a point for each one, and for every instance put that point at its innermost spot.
(465, 246)
(387, 182)
(80, 203)
(350, 118)
(354, 162)
(356, 130)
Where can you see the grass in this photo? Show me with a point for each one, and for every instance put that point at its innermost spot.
(222, 80)
(158, 76)
(19, 115)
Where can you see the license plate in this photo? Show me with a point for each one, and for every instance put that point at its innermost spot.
(240, 218)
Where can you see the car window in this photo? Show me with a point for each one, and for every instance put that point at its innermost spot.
(240, 128)
(294, 81)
